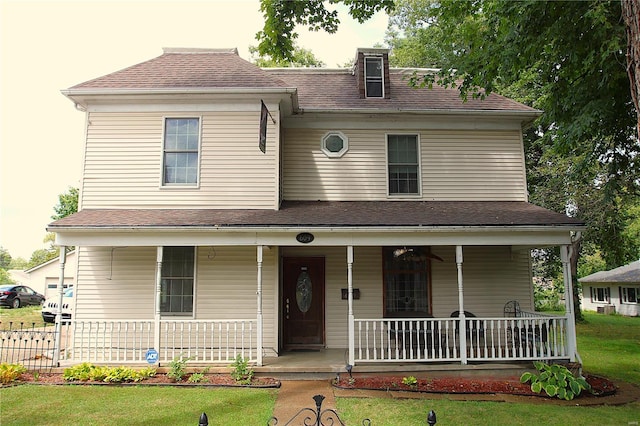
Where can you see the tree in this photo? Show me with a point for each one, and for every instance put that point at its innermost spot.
(67, 204)
(631, 15)
(5, 258)
(300, 58)
(5, 278)
(277, 38)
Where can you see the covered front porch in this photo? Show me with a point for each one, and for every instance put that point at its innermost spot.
(238, 304)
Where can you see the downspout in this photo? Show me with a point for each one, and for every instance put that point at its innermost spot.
(156, 328)
(351, 318)
(58, 320)
(565, 255)
(462, 328)
(259, 307)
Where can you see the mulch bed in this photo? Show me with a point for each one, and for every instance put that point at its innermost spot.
(460, 385)
(454, 385)
(220, 380)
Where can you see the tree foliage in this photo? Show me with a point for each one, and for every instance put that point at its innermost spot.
(5, 258)
(277, 37)
(300, 57)
(67, 204)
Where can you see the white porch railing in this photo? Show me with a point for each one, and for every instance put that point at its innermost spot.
(127, 341)
(531, 337)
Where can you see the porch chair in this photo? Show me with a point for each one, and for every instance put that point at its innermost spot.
(471, 326)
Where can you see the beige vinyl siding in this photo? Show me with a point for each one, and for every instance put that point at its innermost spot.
(116, 283)
(458, 165)
(492, 276)
(123, 162)
(123, 287)
(227, 283)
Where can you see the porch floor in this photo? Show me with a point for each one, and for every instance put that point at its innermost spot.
(326, 363)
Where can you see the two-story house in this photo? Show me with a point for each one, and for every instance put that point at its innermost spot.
(381, 221)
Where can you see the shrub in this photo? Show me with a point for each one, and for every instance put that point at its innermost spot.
(178, 368)
(410, 381)
(86, 371)
(556, 380)
(10, 372)
(241, 372)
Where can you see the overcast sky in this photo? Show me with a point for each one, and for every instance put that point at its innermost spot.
(49, 46)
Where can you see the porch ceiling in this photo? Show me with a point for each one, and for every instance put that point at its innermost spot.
(340, 214)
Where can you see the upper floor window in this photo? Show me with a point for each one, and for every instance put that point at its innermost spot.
(335, 144)
(406, 282)
(600, 294)
(402, 155)
(181, 151)
(631, 294)
(373, 77)
(177, 280)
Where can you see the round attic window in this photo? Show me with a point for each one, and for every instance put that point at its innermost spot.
(335, 144)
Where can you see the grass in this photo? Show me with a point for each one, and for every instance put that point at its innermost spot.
(408, 412)
(27, 315)
(137, 405)
(610, 346)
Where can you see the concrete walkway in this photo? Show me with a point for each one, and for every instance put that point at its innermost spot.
(295, 395)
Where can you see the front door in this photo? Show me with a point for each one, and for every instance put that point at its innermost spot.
(303, 302)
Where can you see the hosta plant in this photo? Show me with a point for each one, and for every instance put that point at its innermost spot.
(556, 380)
(10, 372)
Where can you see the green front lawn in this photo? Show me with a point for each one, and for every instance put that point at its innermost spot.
(135, 405)
(610, 346)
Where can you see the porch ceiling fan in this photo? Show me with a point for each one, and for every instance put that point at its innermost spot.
(410, 253)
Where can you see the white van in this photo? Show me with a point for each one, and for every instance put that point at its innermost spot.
(51, 306)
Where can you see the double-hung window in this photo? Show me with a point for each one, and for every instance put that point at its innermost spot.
(600, 294)
(177, 281)
(181, 151)
(402, 158)
(630, 294)
(406, 282)
(373, 77)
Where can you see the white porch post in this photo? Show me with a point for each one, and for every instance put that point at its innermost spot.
(156, 318)
(351, 318)
(462, 328)
(259, 308)
(58, 320)
(565, 256)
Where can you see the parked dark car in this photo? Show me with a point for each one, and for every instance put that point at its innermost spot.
(16, 295)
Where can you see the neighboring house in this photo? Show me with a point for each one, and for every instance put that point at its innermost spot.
(617, 290)
(372, 212)
(44, 278)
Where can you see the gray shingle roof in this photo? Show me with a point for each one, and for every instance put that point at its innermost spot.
(624, 274)
(176, 68)
(325, 213)
(317, 88)
(330, 89)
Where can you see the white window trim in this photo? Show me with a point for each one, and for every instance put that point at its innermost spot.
(381, 59)
(386, 154)
(624, 295)
(594, 294)
(179, 186)
(168, 316)
(331, 154)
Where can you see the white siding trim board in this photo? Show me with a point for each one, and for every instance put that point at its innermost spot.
(323, 236)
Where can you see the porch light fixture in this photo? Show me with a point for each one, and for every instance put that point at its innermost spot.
(349, 367)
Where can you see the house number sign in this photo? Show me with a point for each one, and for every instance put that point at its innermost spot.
(304, 237)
